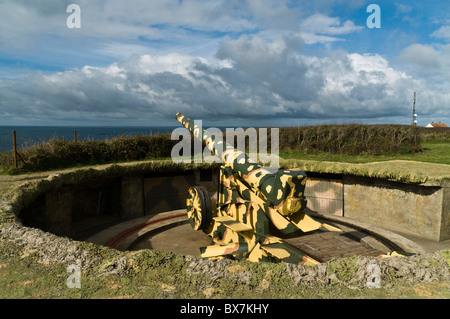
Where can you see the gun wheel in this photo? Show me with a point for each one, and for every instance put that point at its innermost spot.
(198, 206)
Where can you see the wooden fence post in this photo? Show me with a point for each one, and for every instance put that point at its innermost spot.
(15, 149)
(75, 137)
(122, 138)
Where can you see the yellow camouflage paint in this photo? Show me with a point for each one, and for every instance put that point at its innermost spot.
(251, 202)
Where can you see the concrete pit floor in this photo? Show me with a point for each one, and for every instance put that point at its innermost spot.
(180, 239)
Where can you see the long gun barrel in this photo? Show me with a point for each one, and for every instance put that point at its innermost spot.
(256, 175)
(283, 190)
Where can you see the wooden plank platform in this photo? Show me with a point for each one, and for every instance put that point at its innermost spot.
(326, 245)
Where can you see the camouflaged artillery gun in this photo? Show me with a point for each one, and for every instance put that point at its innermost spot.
(255, 208)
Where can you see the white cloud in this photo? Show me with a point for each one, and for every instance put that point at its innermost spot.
(403, 8)
(311, 38)
(122, 51)
(442, 33)
(266, 75)
(423, 55)
(322, 28)
(108, 24)
(255, 80)
(431, 63)
(21, 21)
(277, 15)
(323, 24)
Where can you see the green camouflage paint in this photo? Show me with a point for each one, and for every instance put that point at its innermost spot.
(252, 205)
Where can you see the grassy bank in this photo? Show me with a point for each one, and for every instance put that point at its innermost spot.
(153, 274)
(433, 152)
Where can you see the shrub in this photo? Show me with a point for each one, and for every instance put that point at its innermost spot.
(58, 153)
(352, 139)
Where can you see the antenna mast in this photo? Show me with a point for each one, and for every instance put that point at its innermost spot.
(414, 117)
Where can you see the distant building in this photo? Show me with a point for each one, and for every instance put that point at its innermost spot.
(432, 124)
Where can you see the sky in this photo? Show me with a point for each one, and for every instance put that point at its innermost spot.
(227, 63)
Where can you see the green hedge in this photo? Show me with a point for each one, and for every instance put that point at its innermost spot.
(58, 153)
(351, 139)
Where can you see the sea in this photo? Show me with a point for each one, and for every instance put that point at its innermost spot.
(27, 136)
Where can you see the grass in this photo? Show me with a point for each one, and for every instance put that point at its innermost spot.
(152, 274)
(433, 152)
